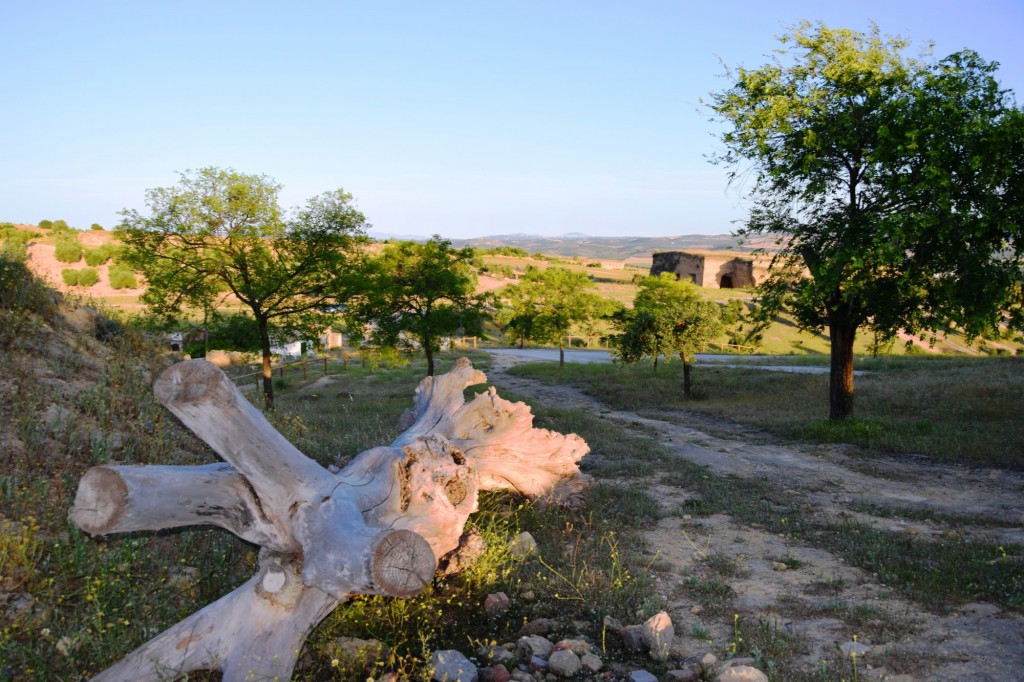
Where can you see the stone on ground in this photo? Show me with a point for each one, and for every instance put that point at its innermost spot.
(451, 666)
(657, 633)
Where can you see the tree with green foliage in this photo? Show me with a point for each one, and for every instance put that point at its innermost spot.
(547, 305)
(96, 226)
(67, 248)
(893, 187)
(424, 291)
(220, 234)
(668, 319)
(45, 225)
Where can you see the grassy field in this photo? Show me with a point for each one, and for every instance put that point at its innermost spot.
(951, 409)
(73, 604)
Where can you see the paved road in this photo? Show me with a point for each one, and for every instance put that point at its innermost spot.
(587, 356)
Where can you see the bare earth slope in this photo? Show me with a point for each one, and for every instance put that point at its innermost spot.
(829, 597)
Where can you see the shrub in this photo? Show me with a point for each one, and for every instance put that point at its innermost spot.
(732, 311)
(87, 277)
(68, 250)
(70, 277)
(23, 296)
(15, 241)
(60, 226)
(45, 225)
(122, 277)
(99, 255)
(20, 289)
(96, 226)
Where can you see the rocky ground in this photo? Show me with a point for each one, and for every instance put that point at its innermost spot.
(776, 574)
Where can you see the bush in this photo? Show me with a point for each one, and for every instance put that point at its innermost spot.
(732, 311)
(45, 225)
(15, 241)
(122, 277)
(70, 277)
(68, 250)
(96, 226)
(22, 297)
(60, 226)
(20, 289)
(99, 255)
(87, 277)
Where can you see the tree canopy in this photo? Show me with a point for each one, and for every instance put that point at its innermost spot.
(426, 291)
(892, 185)
(221, 234)
(668, 319)
(545, 306)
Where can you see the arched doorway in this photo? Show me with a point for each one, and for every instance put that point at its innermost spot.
(726, 282)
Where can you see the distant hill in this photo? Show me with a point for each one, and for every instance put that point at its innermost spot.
(607, 248)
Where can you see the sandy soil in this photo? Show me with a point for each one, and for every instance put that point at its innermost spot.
(973, 642)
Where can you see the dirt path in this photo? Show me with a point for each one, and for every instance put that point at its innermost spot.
(822, 602)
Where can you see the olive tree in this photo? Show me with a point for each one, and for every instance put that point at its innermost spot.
(220, 236)
(892, 186)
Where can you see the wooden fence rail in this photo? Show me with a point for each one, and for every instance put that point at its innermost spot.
(345, 358)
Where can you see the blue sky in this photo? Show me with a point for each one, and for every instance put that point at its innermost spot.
(458, 118)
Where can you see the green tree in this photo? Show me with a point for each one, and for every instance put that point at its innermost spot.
(96, 226)
(668, 319)
(45, 225)
(545, 306)
(221, 234)
(426, 291)
(893, 187)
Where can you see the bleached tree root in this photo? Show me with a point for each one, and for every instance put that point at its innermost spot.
(376, 527)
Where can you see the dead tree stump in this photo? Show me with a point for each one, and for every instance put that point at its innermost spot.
(376, 527)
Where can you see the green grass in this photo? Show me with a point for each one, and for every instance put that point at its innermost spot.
(96, 599)
(953, 410)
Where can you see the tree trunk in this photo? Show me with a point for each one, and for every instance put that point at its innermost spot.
(840, 380)
(268, 372)
(561, 355)
(687, 382)
(430, 356)
(376, 527)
